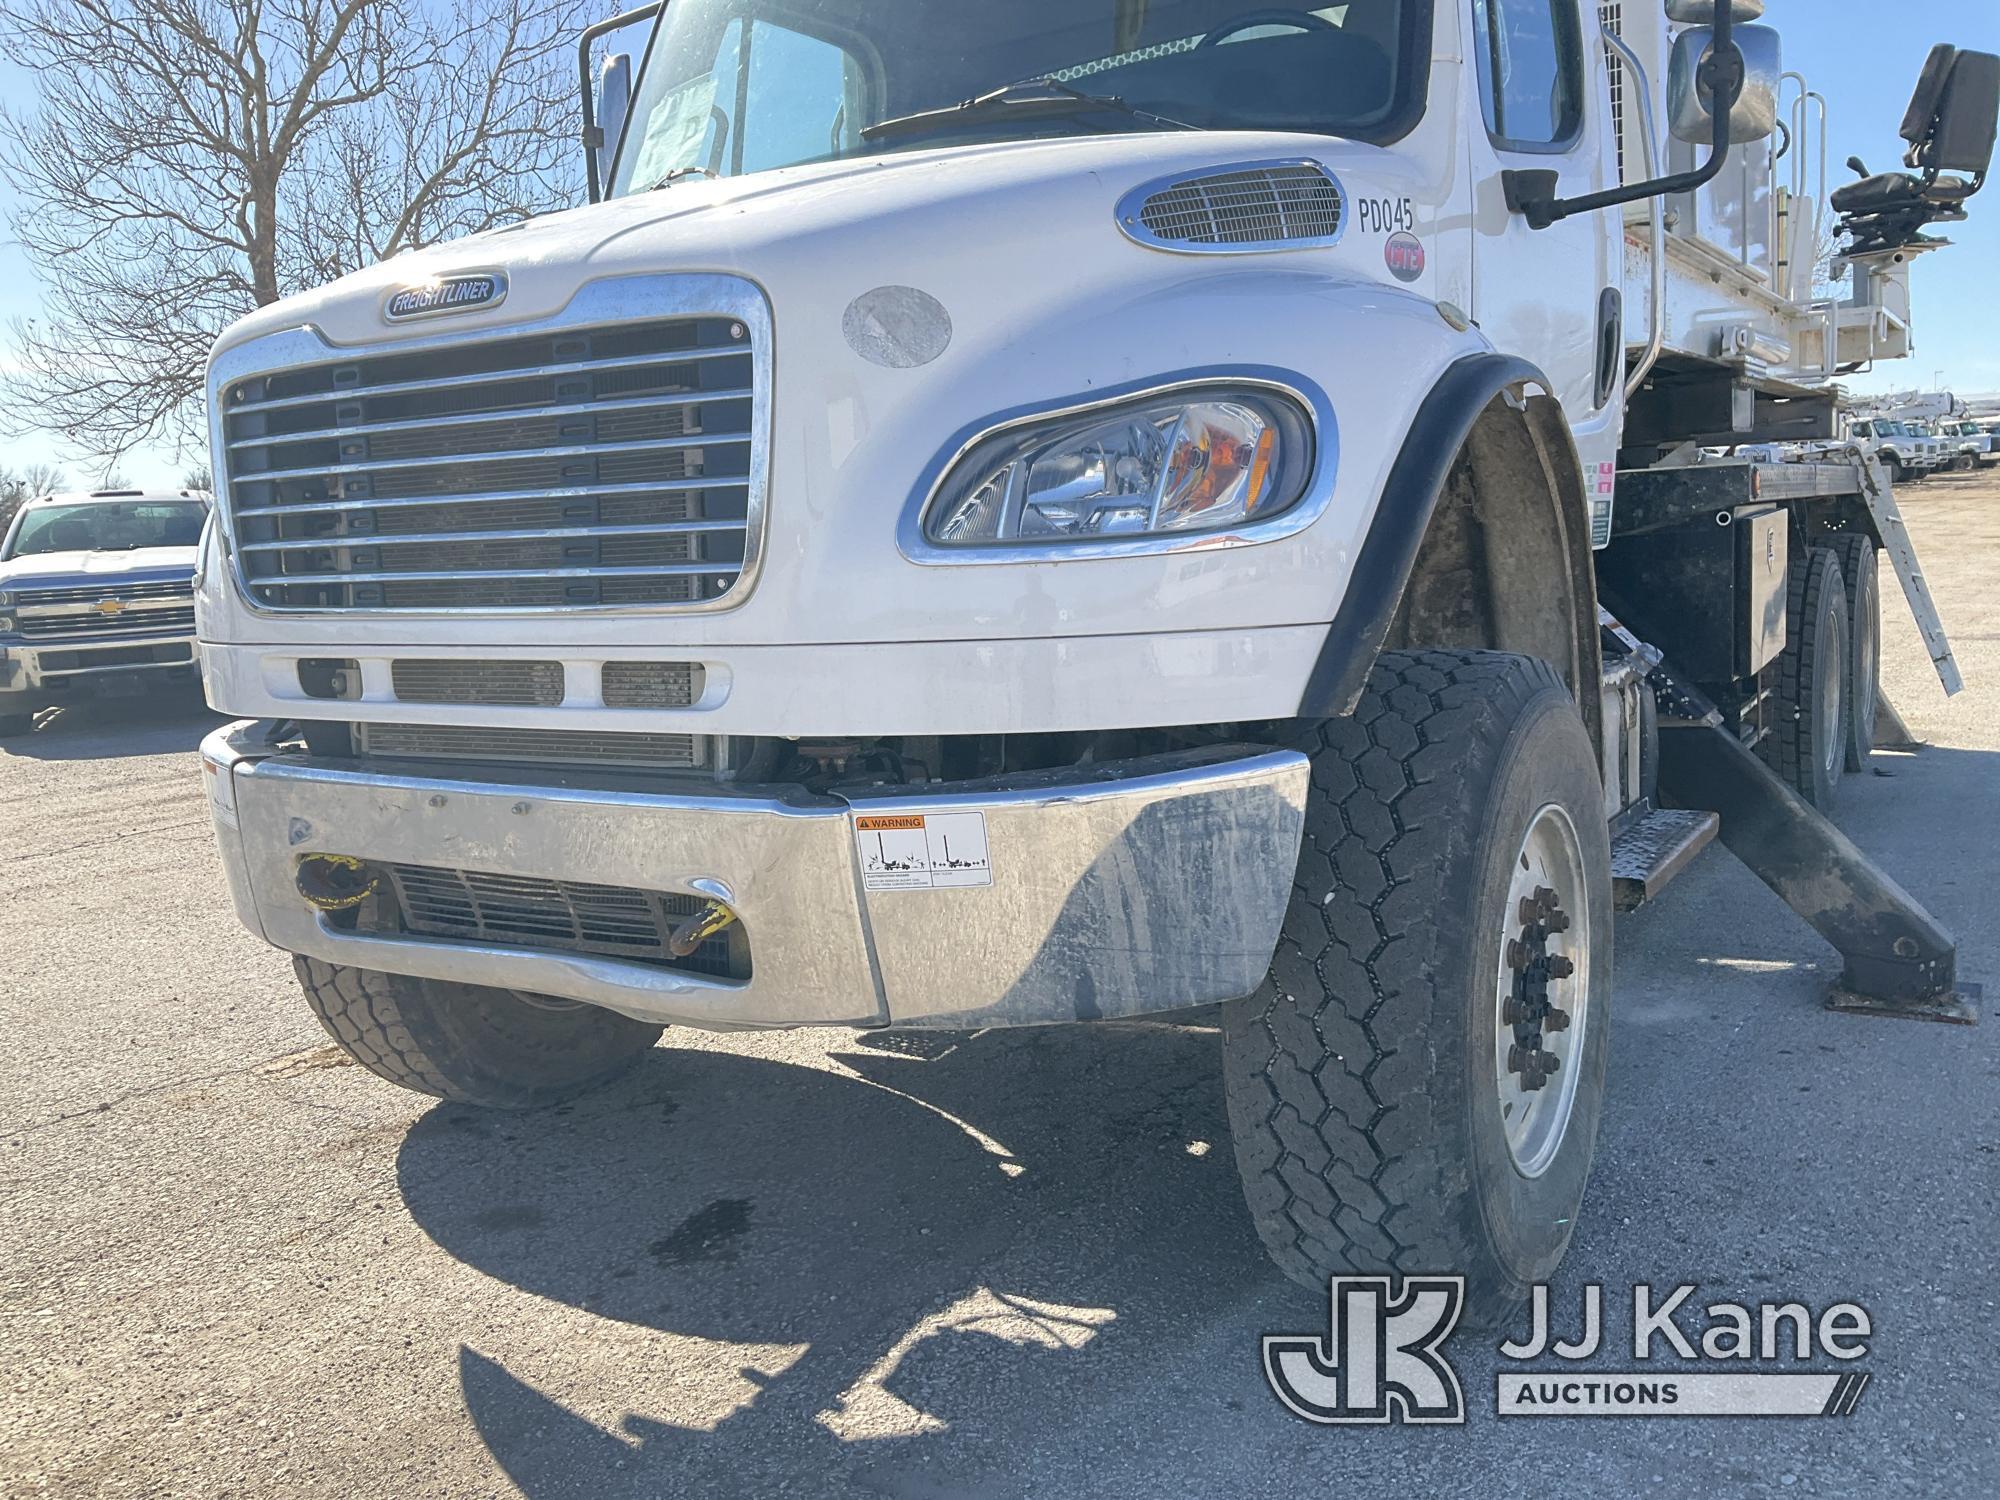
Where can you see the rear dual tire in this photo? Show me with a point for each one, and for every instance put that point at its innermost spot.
(1808, 745)
(1860, 576)
(1378, 1125)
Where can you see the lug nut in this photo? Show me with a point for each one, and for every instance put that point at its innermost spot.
(1557, 921)
(1556, 1020)
(1560, 967)
(1517, 954)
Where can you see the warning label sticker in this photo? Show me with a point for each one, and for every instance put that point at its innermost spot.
(922, 851)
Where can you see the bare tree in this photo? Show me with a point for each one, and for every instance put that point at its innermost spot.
(197, 477)
(191, 160)
(1830, 272)
(17, 486)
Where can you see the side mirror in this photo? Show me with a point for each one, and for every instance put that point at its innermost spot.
(1952, 120)
(1690, 100)
(1713, 69)
(614, 99)
(1699, 12)
(598, 143)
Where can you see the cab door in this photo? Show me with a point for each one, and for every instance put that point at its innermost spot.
(1552, 296)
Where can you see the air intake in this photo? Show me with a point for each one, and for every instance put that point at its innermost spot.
(1273, 205)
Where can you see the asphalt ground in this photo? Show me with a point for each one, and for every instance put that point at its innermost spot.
(830, 1263)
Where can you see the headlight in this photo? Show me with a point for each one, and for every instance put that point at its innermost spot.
(1194, 460)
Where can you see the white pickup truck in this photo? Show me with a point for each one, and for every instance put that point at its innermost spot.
(96, 598)
(1076, 510)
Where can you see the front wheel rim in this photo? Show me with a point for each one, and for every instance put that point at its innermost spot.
(1542, 1008)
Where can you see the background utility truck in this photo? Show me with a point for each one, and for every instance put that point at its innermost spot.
(1065, 511)
(96, 598)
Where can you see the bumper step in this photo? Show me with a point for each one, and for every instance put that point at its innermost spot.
(1649, 854)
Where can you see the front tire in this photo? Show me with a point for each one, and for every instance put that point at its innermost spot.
(469, 1044)
(1378, 1083)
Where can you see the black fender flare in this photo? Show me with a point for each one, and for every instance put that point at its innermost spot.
(1437, 435)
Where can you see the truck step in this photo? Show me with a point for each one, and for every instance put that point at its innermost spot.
(1651, 853)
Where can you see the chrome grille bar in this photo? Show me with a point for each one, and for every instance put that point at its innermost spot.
(500, 455)
(478, 418)
(448, 382)
(401, 502)
(555, 533)
(416, 575)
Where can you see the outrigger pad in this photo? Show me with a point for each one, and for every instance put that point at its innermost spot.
(1959, 1007)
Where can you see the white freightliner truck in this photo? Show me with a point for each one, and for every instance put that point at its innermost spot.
(1053, 512)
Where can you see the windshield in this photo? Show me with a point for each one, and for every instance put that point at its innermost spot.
(735, 86)
(101, 527)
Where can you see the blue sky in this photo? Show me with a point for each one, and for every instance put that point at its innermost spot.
(1863, 55)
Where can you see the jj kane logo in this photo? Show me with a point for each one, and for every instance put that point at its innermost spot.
(445, 294)
(1382, 1359)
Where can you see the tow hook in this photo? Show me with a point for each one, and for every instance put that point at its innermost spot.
(713, 917)
(336, 882)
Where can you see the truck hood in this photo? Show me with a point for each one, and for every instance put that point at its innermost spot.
(839, 213)
(55, 570)
(1046, 302)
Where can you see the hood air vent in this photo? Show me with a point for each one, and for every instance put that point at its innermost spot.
(1265, 205)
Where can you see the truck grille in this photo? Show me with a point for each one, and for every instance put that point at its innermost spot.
(562, 747)
(74, 613)
(581, 468)
(91, 626)
(527, 912)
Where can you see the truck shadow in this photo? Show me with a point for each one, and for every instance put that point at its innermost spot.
(963, 1221)
(113, 728)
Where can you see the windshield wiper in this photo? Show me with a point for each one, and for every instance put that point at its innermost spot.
(678, 173)
(1015, 99)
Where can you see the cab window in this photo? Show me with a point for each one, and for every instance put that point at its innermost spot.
(1529, 55)
(769, 96)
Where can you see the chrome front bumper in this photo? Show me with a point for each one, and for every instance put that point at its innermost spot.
(1156, 885)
